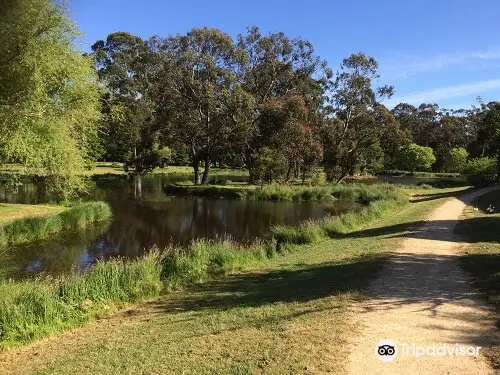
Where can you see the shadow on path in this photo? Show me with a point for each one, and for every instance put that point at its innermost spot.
(482, 229)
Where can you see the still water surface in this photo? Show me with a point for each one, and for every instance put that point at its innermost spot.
(143, 216)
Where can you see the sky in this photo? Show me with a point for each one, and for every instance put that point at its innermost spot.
(434, 51)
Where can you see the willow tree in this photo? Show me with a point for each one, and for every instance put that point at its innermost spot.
(49, 95)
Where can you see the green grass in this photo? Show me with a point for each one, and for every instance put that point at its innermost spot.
(419, 174)
(36, 228)
(104, 168)
(282, 313)
(34, 309)
(482, 256)
(71, 301)
(14, 211)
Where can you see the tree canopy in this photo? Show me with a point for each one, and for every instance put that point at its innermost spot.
(265, 102)
(49, 101)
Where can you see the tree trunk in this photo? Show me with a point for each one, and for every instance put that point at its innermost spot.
(289, 171)
(196, 168)
(249, 163)
(206, 171)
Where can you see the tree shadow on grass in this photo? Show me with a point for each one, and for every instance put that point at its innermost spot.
(302, 284)
(412, 283)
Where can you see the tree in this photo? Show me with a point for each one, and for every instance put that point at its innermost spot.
(415, 158)
(456, 160)
(438, 128)
(482, 171)
(292, 136)
(278, 71)
(49, 102)
(202, 105)
(128, 69)
(269, 165)
(358, 119)
(487, 129)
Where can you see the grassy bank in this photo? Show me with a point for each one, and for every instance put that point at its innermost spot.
(480, 227)
(282, 315)
(357, 192)
(42, 226)
(34, 309)
(38, 308)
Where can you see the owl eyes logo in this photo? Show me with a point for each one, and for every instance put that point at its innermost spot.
(386, 350)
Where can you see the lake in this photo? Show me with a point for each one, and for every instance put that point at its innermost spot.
(144, 216)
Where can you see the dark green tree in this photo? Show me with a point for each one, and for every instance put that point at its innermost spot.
(359, 120)
(278, 71)
(128, 69)
(202, 104)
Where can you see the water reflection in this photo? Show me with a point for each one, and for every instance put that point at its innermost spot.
(143, 216)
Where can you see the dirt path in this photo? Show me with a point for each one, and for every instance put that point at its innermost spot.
(424, 297)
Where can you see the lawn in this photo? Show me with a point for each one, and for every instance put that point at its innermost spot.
(103, 168)
(10, 212)
(481, 257)
(288, 315)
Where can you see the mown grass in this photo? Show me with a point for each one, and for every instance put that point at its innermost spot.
(284, 315)
(14, 211)
(36, 228)
(481, 257)
(115, 168)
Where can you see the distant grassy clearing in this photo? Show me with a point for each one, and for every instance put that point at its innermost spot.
(117, 168)
(14, 211)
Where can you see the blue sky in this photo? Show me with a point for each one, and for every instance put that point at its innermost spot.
(438, 51)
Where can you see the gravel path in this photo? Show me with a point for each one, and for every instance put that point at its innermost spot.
(424, 297)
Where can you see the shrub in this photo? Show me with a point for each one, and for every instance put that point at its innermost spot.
(414, 157)
(269, 165)
(482, 171)
(456, 160)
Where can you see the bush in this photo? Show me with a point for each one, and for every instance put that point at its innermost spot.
(415, 158)
(456, 160)
(482, 171)
(269, 165)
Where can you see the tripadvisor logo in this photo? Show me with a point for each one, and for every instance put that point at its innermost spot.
(386, 350)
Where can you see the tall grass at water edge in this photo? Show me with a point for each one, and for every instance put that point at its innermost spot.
(32, 229)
